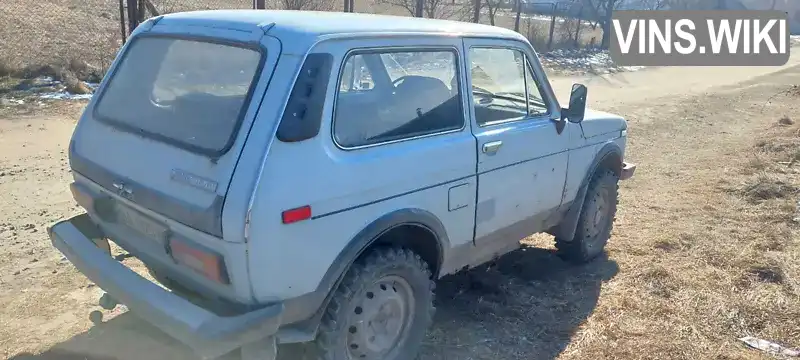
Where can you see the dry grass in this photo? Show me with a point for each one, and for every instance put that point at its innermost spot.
(704, 251)
(86, 33)
(57, 32)
(766, 186)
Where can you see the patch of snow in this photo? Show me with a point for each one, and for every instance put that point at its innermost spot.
(64, 95)
(60, 92)
(583, 60)
(11, 102)
(794, 39)
(45, 88)
(537, 17)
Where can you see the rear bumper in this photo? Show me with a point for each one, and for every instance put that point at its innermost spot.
(627, 171)
(207, 333)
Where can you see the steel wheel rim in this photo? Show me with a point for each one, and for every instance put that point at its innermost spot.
(599, 217)
(380, 319)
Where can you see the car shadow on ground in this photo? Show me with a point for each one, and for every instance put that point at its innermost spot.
(528, 304)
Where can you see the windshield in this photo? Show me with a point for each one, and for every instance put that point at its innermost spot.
(189, 92)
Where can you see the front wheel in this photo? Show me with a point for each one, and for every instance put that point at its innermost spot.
(596, 219)
(381, 310)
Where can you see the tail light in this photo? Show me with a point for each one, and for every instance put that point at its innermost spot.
(204, 261)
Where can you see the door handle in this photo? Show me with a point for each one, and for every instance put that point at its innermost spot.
(492, 147)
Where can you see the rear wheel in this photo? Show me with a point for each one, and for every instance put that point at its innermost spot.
(596, 219)
(381, 310)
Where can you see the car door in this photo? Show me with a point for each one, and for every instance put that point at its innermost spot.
(522, 157)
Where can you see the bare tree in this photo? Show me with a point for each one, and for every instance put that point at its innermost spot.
(491, 8)
(319, 5)
(435, 9)
(653, 4)
(695, 4)
(603, 10)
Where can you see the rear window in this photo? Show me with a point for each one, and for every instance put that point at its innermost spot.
(187, 92)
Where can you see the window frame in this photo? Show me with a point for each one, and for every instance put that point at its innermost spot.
(208, 152)
(527, 67)
(352, 72)
(398, 49)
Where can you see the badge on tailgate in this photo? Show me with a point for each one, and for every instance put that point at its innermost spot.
(193, 180)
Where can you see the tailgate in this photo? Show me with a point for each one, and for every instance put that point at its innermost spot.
(166, 129)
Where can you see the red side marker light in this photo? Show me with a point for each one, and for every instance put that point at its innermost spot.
(297, 214)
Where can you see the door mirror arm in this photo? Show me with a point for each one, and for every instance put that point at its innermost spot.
(560, 123)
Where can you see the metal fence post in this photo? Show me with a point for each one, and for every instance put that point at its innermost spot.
(552, 28)
(578, 29)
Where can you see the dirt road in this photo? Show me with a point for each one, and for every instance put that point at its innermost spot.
(669, 289)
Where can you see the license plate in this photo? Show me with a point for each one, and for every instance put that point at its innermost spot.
(140, 223)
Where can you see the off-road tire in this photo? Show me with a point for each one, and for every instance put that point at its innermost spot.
(592, 235)
(336, 329)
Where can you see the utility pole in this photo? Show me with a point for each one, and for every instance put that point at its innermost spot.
(259, 4)
(419, 9)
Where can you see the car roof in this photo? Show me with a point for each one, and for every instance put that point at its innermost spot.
(315, 24)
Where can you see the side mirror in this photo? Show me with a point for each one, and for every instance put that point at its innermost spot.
(577, 104)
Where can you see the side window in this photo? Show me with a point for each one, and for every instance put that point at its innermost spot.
(498, 84)
(536, 103)
(411, 93)
(503, 86)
